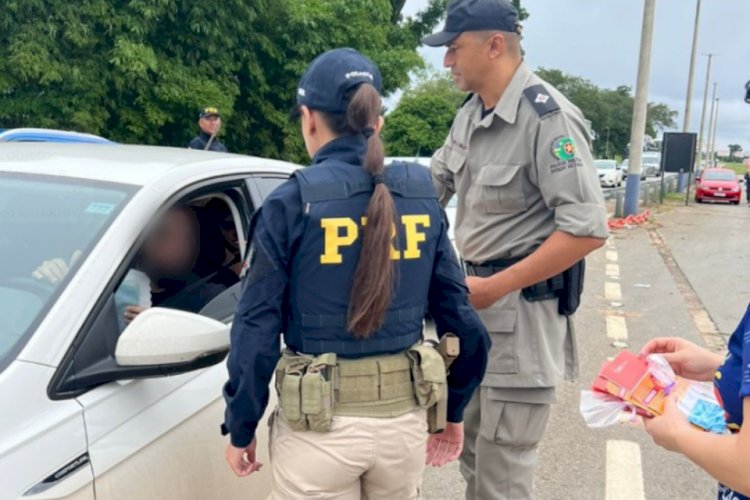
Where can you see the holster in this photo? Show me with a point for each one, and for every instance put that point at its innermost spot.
(437, 415)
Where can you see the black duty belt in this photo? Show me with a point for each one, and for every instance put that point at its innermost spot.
(550, 288)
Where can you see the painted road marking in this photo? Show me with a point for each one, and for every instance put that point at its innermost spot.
(611, 256)
(612, 291)
(613, 271)
(624, 471)
(616, 328)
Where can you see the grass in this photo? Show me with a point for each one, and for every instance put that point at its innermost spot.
(739, 168)
(674, 197)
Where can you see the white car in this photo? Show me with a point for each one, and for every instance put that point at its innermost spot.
(610, 173)
(92, 409)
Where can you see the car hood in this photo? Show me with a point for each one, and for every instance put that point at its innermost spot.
(721, 184)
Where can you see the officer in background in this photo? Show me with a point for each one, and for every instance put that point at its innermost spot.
(209, 120)
(529, 210)
(347, 257)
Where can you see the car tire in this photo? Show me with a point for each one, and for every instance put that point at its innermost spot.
(698, 200)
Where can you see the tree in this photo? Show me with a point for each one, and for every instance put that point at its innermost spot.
(421, 121)
(734, 148)
(138, 71)
(609, 110)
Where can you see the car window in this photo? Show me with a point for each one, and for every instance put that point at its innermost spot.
(189, 258)
(719, 176)
(266, 185)
(49, 225)
(605, 164)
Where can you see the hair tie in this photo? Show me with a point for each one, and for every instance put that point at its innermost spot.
(367, 132)
(378, 179)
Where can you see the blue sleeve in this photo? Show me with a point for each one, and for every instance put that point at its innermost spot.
(449, 306)
(745, 384)
(256, 330)
(196, 143)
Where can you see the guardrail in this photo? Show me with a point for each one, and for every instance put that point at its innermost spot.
(650, 192)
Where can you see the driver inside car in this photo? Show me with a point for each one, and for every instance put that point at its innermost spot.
(167, 258)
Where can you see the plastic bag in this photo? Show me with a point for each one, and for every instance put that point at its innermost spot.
(696, 400)
(602, 410)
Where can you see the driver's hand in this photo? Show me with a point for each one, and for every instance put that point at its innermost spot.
(131, 312)
(54, 270)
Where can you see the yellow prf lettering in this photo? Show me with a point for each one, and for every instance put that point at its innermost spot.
(413, 236)
(343, 232)
(334, 240)
(395, 254)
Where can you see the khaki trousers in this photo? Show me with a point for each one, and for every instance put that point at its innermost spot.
(359, 459)
(500, 447)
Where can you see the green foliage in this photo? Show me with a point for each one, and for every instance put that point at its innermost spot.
(609, 110)
(138, 71)
(734, 148)
(421, 121)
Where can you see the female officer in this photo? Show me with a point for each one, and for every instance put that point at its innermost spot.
(725, 457)
(347, 258)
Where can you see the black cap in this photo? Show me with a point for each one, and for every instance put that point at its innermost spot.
(331, 75)
(209, 111)
(475, 15)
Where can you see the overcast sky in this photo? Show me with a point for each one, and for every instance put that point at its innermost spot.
(600, 39)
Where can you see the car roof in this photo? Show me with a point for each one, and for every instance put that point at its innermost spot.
(138, 165)
(49, 135)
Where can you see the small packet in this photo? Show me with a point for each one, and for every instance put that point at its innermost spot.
(640, 385)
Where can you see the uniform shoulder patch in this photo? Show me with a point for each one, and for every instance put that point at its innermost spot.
(544, 104)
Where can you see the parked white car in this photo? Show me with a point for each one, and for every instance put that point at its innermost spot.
(93, 409)
(610, 173)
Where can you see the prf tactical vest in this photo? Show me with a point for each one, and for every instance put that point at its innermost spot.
(335, 196)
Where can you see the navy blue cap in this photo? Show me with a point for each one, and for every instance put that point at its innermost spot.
(329, 78)
(475, 15)
(209, 111)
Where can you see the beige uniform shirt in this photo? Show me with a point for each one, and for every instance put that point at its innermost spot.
(519, 174)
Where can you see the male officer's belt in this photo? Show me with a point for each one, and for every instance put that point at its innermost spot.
(312, 389)
(548, 289)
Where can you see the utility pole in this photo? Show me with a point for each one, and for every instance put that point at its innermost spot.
(713, 134)
(606, 149)
(691, 73)
(710, 160)
(640, 108)
(703, 113)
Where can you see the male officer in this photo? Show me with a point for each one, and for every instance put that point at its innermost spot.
(209, 120)
(529, 210)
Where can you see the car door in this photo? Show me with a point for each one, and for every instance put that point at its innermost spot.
(157, 438)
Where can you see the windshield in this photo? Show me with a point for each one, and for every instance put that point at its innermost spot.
(605, 164)
(719, 176)
(650, 160)
(48, 225)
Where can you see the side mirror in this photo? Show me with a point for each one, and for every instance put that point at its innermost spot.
(160, 336)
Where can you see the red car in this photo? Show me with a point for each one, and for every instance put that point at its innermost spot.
(718, 184)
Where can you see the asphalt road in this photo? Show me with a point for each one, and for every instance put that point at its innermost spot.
(707, 244)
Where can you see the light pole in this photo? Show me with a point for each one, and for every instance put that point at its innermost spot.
(709, 160)
(691, 73)
(640, 106)
(713, 134)
(703, 113)
(606, 148)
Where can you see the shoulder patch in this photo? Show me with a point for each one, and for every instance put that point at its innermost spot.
(542, 101)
